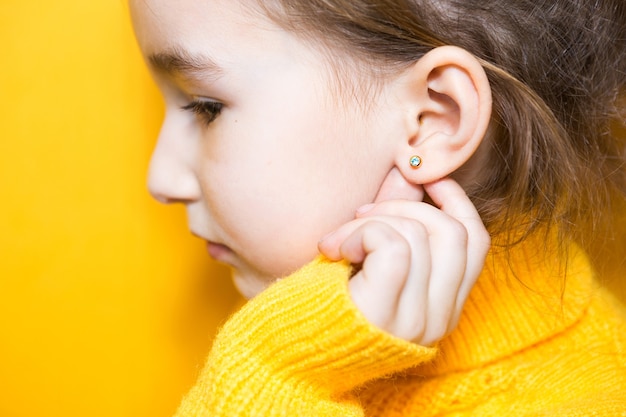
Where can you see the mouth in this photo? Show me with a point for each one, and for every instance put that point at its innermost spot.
(219, 252)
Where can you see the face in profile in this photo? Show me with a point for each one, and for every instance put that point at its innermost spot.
(266, 152)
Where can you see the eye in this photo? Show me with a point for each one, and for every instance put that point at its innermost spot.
(207, 111)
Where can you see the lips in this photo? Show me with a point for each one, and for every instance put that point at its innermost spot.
(218, 251)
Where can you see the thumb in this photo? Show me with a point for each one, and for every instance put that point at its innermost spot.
(396, 187)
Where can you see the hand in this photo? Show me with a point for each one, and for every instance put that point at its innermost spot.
(419, 262)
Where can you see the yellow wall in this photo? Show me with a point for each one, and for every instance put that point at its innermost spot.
(107, 304)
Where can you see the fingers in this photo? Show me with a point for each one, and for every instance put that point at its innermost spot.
(466, 227)
(378, 246)
(387, 289)
(396, 187)
(452, 200)
(459, 239)
(419, 261)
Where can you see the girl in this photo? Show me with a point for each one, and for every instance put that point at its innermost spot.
(384, 134)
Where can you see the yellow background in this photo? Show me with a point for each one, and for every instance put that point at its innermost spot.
(107, 303)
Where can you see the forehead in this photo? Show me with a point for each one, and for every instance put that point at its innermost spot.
(241, 42)
(223, 28)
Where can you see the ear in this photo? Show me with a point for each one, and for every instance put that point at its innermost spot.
(449, 100)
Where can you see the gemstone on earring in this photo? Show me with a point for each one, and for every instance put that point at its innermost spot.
(415, 161)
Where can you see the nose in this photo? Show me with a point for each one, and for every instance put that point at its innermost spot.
(171, 177)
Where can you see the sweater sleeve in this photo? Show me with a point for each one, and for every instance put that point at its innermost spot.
(298, 349)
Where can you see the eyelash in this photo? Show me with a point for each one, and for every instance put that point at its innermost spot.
(206, 110)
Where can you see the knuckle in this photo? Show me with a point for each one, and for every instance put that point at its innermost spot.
(415, 331)
(398, 275)
(417, 228)
(399, 247)
(439, 326)
(432, 336)
(485, 240)
(458, 229)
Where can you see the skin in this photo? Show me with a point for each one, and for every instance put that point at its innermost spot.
(288, 160)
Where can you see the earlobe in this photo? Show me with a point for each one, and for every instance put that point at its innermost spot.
(450, 100)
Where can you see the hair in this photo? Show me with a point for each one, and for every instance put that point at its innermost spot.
(557, 70)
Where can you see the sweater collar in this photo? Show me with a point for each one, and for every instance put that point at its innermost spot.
(523, 296)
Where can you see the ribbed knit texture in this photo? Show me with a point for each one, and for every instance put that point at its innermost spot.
(526, 345)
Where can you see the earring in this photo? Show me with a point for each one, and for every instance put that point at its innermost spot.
(415, 161)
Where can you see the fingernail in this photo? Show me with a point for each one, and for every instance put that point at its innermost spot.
(325, 237)
(364, 209)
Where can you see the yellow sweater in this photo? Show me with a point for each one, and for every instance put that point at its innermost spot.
(526, 346)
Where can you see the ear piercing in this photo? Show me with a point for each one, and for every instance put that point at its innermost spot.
(415, 161)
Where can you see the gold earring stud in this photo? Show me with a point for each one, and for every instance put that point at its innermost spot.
(415, 161)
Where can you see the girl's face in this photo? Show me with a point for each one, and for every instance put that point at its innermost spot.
(261, 144)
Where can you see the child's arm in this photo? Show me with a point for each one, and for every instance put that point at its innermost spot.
(302, 346)
(298, 349)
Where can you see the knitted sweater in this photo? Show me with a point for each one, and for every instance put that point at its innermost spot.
(526, 345)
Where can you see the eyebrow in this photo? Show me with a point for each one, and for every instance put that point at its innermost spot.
(181, 62)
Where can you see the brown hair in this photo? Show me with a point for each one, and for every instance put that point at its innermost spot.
(556, 69)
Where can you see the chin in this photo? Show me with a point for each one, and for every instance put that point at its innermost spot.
(249, 285)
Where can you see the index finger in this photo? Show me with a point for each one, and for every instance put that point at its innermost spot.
(450, 201)
(396, 187)
(451, 198)
(448, 197)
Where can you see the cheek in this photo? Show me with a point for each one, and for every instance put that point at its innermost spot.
(273, 212)
(275, 190)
